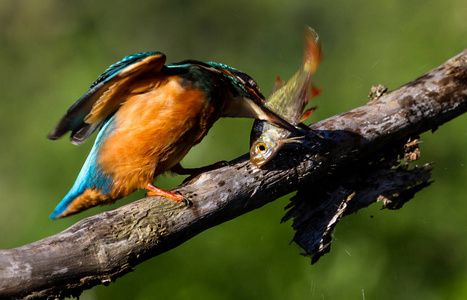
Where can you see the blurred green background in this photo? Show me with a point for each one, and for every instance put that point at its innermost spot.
(51, 51)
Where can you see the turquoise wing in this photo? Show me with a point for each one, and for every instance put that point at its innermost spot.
(102, 99)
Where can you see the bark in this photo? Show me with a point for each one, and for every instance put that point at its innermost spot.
(358, 146)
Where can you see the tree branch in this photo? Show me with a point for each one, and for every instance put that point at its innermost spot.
(101, 248)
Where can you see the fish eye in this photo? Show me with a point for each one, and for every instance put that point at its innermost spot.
(261, 147)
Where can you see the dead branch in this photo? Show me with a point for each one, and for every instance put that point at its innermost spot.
(101, 248)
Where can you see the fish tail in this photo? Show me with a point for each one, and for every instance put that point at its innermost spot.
(312, 55)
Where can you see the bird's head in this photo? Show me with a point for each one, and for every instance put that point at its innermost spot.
(242, 84)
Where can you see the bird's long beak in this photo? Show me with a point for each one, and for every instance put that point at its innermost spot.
(278, 120)
(246, 108)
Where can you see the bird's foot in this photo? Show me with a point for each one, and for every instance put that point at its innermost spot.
(155, 191)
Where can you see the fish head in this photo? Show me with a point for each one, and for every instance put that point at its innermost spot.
(266, 144)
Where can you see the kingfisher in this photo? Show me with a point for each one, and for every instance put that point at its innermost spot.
(149, 114)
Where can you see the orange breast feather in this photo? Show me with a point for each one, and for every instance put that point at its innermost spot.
(154, 130)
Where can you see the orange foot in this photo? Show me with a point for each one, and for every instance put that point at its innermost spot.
(155, 191)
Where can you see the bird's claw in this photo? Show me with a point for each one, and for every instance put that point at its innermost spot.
(188, 203)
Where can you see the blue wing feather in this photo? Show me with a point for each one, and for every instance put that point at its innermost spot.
(113, 70)
(122, 64)
(76, 114)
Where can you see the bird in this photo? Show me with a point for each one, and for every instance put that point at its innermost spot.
(148, 115)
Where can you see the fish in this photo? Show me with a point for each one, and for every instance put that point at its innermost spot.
(287, 100)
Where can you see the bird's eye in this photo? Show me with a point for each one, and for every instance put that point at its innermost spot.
(249, 83)
(261, 147)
